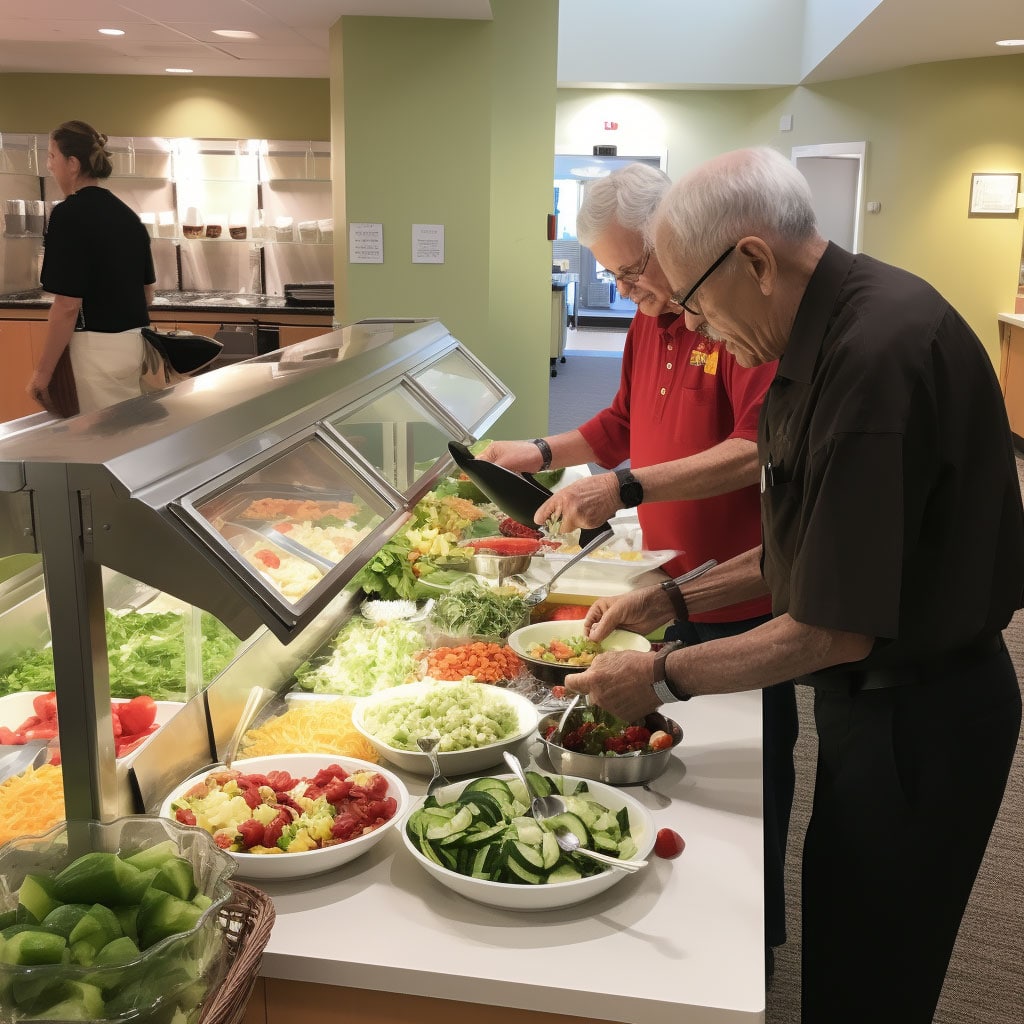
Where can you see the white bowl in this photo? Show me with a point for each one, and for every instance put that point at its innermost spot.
(552, 672)
(277, 867)
(510, 896)
(451, 762)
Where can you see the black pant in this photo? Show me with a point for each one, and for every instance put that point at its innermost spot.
(779, 729)
(909, 783)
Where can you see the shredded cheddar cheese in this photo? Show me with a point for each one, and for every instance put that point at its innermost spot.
(31, 802)
(310, 727)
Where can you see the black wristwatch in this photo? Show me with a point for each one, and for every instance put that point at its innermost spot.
(631, 491)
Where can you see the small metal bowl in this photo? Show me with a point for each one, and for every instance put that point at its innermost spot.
(499, 566)
(624, 770)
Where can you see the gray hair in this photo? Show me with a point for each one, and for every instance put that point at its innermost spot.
(747, 192)
(629, 197)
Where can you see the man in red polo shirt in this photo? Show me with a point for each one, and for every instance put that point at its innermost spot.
(685, 416)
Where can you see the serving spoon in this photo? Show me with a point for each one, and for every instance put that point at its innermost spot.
(437, 780)
(541, 806)
(570, 843)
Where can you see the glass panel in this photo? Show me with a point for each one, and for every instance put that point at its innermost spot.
(396, 434)
(460, 387)
(296, 517)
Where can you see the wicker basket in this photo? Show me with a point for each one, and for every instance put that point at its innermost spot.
(248, 919)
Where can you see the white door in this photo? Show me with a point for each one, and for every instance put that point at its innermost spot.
(835, 173)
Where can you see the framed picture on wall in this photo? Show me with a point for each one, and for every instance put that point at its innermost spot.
(994, 195)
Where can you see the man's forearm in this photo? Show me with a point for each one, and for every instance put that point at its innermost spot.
(569, 449)
(734, 581)
(725, 467)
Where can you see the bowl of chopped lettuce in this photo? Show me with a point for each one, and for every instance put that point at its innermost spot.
(477, 722)
(479, 839)
(292, 815)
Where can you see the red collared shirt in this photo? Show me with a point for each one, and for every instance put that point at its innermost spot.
(680, 394)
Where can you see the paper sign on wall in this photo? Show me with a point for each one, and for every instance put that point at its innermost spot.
(428, 243)
(366, 243)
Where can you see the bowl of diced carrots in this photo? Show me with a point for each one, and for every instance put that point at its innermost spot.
(483, 660)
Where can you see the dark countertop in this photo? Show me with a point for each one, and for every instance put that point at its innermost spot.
(173, 301)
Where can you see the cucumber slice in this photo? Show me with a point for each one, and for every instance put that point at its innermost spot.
(154, 856)
(497, 788)
(36, 895)
(563, 873)
(573, 823)
(529, 857)
(175, 876)
(459, 823)
(528, 831)
(542, 784)
(34, 946)
(520, 873)
(550, 850)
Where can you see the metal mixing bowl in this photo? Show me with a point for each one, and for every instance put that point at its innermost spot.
(624, 770)
(499, 566)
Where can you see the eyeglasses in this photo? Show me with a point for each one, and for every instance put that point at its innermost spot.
(631, 275)
(682, 300)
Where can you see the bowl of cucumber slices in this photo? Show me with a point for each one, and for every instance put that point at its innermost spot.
(478, 839)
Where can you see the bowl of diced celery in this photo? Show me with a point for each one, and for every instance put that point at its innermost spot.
(479, 839)
(476, 723)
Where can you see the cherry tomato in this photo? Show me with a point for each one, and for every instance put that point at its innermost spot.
(669, 843)
(137, 715)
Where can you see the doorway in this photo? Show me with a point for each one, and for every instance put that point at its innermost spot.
(835, 172)
(597, 301)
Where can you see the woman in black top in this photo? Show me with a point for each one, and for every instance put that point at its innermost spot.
(99, 267)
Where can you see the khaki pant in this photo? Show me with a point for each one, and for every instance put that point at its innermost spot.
(106, 367)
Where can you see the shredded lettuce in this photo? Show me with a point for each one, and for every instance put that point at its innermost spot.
(146, 655)
(365, 657)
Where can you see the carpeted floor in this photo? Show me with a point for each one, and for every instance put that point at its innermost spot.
(985, 982)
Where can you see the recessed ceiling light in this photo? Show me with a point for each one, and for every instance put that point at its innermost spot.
(111, 31)
(234, 33)
(1010, 42)
(178, 71)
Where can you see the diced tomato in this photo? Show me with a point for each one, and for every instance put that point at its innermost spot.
(558, 692)
(268, 558)
(560, 650)
(251, 795)
(54, 758)
(137, 715)
(615, 744)
(115, 721)
(636, 734)
(283, 527)
(337, 791)
(275, 828)
(563, 612)
(9, 738)
(376, 789)
(251, 833)
(41, 732)
(185, 816)
(222, 840)
(45, 706)
(279, 781)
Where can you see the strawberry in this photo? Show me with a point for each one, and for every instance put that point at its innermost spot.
(509, 527)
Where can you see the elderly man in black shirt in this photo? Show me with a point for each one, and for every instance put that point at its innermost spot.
(893, 548)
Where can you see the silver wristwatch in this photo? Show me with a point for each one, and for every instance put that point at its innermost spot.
(664, 692)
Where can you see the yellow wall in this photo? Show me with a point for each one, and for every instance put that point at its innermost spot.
(452, 122)
(213, 108)
(927, 128)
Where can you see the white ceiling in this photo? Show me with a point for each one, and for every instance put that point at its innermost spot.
(661, 44)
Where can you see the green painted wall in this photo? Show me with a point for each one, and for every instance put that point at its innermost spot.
(927, 127)
(452, 122)
(217, 108)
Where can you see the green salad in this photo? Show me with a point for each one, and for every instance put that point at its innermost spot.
(472, 608)
(146, 653)
(467, 715)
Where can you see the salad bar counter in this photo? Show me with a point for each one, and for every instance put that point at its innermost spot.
(301, 612)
